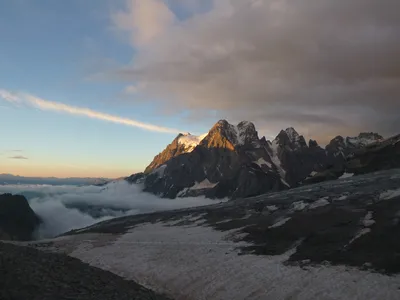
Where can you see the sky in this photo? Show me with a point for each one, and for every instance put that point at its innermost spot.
(97, 88)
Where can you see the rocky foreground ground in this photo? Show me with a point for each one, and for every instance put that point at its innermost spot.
(333, 240)
(27, 273)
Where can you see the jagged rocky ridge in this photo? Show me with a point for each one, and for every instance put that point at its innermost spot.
(232, 161)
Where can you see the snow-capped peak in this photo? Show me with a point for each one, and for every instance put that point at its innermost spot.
(290, 137)
(190, 141)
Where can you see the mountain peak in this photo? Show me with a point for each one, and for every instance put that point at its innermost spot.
(292, 133)
(290, 137)
(183, 143)
(224, 134)
(221, 124)
(312, 143)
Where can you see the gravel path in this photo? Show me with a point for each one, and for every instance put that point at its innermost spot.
(27, 273)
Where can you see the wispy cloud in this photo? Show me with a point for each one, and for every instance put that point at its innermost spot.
(23, 98)
(9, 96)
(18, 157)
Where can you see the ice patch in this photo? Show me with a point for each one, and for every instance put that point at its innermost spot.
(280, 223)
(319, 203)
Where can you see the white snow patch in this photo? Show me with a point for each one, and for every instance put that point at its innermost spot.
(205, 184)
(224, 221)
(191, 141)
(240, 132)
(277, 162)
(346, 175)
(389, 194)
(284, 182)
(272, 208)
(299, 205)
(359, 234)
(361, 141)
(240, 139)
(280, 223)
(261, 161)
(182, 192)
(197, 263)
(341, 198)
(368, 221)
(319, 203)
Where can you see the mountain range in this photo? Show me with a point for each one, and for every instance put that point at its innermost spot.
(15, 179)
(231, 161)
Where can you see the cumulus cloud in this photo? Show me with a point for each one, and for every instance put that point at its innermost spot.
(80, 111)
(18, 157)
(63, 208)
(323, 66)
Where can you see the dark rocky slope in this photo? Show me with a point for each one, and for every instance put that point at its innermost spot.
(17, 219)
(384, 154)
(27, 273)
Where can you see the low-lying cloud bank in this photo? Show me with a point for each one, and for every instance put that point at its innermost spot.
(63, 208)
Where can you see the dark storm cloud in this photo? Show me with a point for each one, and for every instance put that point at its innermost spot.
(321, 65)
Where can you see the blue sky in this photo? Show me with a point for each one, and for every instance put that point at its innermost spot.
(50, 49)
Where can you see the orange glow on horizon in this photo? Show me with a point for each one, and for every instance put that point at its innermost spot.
(64, 172)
